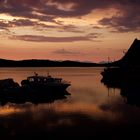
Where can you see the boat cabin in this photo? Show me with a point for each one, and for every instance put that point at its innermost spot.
(43, 79)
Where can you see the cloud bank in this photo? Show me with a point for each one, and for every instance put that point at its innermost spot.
(35, 12)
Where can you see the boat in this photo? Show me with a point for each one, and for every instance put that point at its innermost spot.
(35, 89)
(45, 83)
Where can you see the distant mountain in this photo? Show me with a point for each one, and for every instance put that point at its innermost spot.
(103, 62)
(45, 63)
(131, 58)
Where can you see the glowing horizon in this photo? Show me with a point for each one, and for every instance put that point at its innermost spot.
(67, 30)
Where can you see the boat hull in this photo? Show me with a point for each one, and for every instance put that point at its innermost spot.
(46, 88)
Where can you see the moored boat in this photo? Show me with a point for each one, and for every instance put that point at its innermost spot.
(35, 89)
(45, 83)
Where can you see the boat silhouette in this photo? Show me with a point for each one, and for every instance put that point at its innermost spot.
(35, 89)
(44, 83)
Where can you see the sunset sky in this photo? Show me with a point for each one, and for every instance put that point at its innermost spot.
(84, 30)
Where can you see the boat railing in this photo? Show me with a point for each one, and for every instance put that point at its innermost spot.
(66, 82)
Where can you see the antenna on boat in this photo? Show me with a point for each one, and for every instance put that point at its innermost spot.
(36, 74)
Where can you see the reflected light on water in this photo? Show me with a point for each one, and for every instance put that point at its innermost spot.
(8, 110)
(90, 109)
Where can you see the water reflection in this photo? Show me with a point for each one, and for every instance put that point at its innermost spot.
(22, 98)
(48, 121)
(88, 111)
(129, 89)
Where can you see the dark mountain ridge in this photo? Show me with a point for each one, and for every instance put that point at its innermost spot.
(45, 63)
(131, 57)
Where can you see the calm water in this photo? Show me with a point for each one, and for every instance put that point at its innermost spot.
(91, 109)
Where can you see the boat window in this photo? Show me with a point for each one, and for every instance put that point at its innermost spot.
(31, 79)
(57, 80)
(50, 80)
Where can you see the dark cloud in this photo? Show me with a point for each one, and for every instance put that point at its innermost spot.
(3, 24)
(66, 52)
(35, 38)
(128, 20)
(26, 8)
(96, 27)
(48, 10)
(6, 25)
(70, 28)
(3, 28)
(61, 28)
(20, 22)
(125, 23)
(84, 7)
(23, 22)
